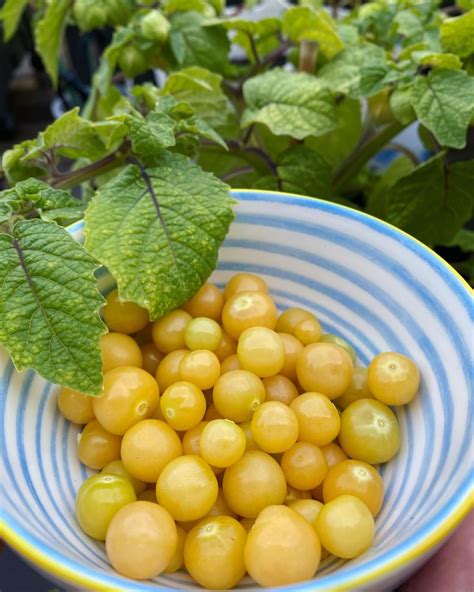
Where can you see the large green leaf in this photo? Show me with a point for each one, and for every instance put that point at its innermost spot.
(357, 71)
(49, 33)
(262, 35)
(377, 196)
(341, 141)
(464, 239)
(201, 88)
(158, 230)
(289, 103)
(444, 102)
(303, 23)
(10, 15)
(194, 44)
(304, 171)
(434, 201)
(457, 34)
(49, 305)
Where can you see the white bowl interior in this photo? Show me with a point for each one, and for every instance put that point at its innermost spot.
(365, 281)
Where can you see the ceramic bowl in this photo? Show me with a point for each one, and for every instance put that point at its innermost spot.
(370, 283)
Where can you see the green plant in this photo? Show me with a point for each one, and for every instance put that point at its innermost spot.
(146, 170)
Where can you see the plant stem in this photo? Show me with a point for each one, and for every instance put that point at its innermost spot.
(404, 150)
(308, 56)
(363, 153)
(73, 178)
(254, 49)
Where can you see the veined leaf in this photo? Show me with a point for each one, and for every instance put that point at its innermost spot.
(433, 201)
(49, 34)
(304, 23)
(158, 230)
(444, 103)
(10, 15)
(294, 104)
(49, 305)
(304, 171)
(457, 34)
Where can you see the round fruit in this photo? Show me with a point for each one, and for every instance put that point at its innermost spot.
(201, 367)
(230, 363)
(202, 333)
(141, 540)
(274, 427)
(369, 431)
(151, 357)
(123, 317)
(244, 282)
(132, 61)
(119, 350)
(282, 548)
(336, 340)
(187, 488)
(97, 447)
(358, 389)
(288, 319)
(168, 369)
(308, 331)
(116, 467)
(237, 394)
(129, 395)
(393, 378)
(227, 346)
(75, 406)
(214, 552)
(99, 498)
(293, 347)
(279, 388)
(183, 405)
(253, 483)
(89, 15)
(354, 477)
(177, 561)
(168, 332)
(250, 443)
(324, 368)
(304, 466)
(155, 26)
(222, 443)
(345, 527)
(207, 302)
(261, 351)
(317, 417)
(148, 447)
(192, 439)
(248, 309)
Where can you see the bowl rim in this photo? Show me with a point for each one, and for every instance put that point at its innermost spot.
(419, 543)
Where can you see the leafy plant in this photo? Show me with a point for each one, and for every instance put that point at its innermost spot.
(315, 100)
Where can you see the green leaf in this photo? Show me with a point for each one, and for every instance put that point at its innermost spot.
(201, 88)
(150, 135)
(341, 141)
(49, 33)
(304, 171)
(196, 125)
(194, 44)
(444, 103)
(158, 230)
(108, 61)
(11, 14)
(434, 201)
(33, 195)
(294, 104)
(303, 23)
(74, 137)
(17, 167)
(464, 239)
(465, 4)
(265, 34)
(409, 24)
(457, 34)
(49, 305)
(201, 6)
(400, 104)
(377, 196)
(449, 61)
(356, 71)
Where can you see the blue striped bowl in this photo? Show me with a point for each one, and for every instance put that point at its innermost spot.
(378, 288)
